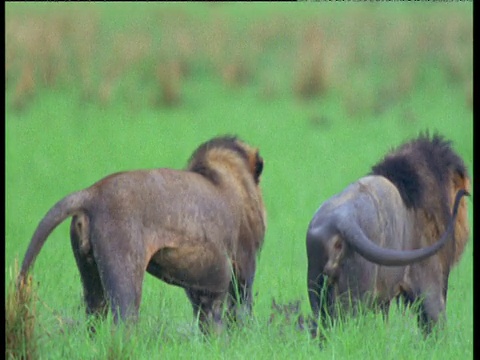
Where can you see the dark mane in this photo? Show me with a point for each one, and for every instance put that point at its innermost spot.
(199, 163)
(420, 168)
(402, 173)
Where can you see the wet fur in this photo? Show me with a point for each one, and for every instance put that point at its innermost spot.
(426, 174)
(200, 228)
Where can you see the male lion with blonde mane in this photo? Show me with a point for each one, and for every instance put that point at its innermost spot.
(199, 228)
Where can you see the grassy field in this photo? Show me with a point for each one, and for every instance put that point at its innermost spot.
(324, 91)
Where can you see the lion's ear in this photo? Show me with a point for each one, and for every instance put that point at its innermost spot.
(460, 181)
(258, 167)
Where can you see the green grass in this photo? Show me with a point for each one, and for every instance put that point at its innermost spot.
(59, 144)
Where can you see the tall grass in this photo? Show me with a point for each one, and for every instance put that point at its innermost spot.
(104, 108)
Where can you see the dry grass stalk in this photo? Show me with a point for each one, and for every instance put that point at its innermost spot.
(310, 80)
(20, 318)
(235, 73)
(169, 75)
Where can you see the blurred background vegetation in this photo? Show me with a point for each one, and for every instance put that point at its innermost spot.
(370, 58)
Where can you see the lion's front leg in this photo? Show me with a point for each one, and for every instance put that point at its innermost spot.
(240, 298)
(207, 307)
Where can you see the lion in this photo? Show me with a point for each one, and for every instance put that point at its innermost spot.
(200, 228)
(377, 240)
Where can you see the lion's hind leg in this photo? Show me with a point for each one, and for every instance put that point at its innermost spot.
(121, 264)
(96, 303)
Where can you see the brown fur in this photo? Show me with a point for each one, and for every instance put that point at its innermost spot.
(404, 204)
(199, 228)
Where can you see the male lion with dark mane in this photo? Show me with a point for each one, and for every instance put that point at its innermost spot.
(199, 228)
(379, 238)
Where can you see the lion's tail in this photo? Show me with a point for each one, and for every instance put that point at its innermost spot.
(63, 209)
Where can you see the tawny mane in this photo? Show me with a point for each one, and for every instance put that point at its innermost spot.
(203, 159)
(199, 161)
